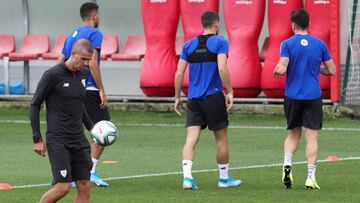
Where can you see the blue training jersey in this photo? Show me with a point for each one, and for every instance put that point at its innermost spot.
(91, 34)
(204, 78)
(305, 53)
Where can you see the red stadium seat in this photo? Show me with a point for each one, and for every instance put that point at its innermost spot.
(7, 45)
(109, 46)
(134, 49)
(56, 51)
(264, 49)
(32, 47)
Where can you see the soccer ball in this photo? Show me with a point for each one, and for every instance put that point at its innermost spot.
(104, 133)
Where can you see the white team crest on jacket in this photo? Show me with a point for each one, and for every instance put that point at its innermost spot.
(63, 173)
(83, 82)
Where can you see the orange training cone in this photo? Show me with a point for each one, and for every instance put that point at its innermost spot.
(5, 186)
(333, 158)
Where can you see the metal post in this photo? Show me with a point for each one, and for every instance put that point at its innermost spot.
(348, 53)
(26, 76)
(6, 74)
(25, 8)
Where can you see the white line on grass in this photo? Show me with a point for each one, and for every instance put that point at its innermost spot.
(180, 172)
(182, 125)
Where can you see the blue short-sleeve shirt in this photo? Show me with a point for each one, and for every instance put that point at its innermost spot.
(91, 34)
(204, 78)
(305, 53)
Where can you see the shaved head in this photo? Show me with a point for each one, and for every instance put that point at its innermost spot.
(82, 45)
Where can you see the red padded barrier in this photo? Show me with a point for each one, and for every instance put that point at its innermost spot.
(335, 48)
(279, 30)
(109, 46)
(7, 45)
(160, 20)
(31, 48)
(56, 51)
(133, 50)
(191, 12)
(319, 12)
(243, 24)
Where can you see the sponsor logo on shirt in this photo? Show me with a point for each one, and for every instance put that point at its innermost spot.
(66, 84)
(75, 33)
(304, 42)
(63, 173)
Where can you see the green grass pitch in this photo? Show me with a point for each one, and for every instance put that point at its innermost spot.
(148, 161)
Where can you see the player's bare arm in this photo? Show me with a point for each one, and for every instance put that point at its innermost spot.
(179, 76)
(95, 71)
(281, 66)
(329, 68)
(225, 78)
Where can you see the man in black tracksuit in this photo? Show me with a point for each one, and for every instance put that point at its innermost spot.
(63, 89)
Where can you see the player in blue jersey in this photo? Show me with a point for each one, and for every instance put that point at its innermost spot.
(300, 58)
(207, 105)
(96, 99)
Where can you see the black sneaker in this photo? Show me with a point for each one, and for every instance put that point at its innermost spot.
(287, 178)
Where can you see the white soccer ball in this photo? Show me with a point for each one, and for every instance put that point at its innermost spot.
(104, 133)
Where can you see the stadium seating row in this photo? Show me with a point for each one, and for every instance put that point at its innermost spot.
(38, 46)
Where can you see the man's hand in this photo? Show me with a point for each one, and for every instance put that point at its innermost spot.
(177, 106)
(229, 100)
(103, 98)
(279, 71)
(40, 148)
(281, 66)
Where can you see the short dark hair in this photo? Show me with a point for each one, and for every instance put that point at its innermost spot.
(87, 8)
(301, 18)
(209, 18)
